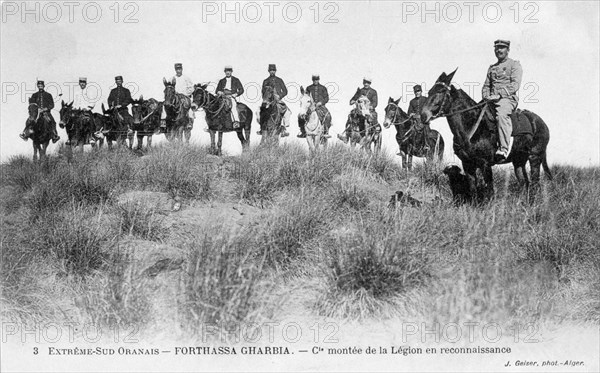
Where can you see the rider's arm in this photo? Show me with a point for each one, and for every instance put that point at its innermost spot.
(240, 88)
(220, 87)
(284, 90)
(373, 99)
(485, 91)
(50, 101)
(325, 96)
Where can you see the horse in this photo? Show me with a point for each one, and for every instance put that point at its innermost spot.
(475, 145)
(177, 107)
(359, 128)
(146, 119)
(407, 136)
(80, 125)
(269, 118)
(40, 133)
(313, 125)
(219, 118)
(115, 128)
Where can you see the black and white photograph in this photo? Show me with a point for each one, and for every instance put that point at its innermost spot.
(315, 186)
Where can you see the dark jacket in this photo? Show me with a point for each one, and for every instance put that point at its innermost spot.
(278, 84)
(236, 86)
(43, 99)
(369, 92)
(416, 105)
(119, 96)
(319, 93)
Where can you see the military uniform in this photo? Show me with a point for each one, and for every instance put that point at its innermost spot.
(414, 107)
(121, 96)
(503, 79)
(371, 95)
(320, 95)
(43, 100)
(281, 91)
(231, 87)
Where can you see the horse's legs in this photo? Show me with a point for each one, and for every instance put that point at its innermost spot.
(35, 152)
(43, 151)
(488, 177)
(149, 141)
(187, 132)
(212, 142)
(378, 143)
(240, 135)
(220, 143)
(130, 137)
(247, 131)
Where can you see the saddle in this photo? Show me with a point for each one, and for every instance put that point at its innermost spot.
(521, 125)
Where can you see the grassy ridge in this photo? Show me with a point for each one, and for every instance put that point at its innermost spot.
(322, 218)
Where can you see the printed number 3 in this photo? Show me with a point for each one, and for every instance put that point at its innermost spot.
(35, 350)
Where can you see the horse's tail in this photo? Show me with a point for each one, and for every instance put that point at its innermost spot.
(547, 171)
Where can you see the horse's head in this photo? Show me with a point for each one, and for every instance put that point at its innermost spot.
(200, 96)
(363, 106)
(65, 113)
(137, 109)
(438, 100)
(307, 103)
(33, 111)
(268, 96)
(170, 93)
(394, 113)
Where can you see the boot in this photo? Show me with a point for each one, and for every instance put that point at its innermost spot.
(301, 135)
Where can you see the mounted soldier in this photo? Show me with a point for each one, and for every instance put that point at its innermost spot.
(45, 103)
(185, 86)
(81, 102)
(320, 96)
(119, 98)
(371, 94)
(231, 88)
(502, 81)
(280, 91)
(414, 111)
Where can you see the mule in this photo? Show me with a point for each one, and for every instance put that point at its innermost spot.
(79, 125)
(475, 137)
(409, 137)
(116, 128)
(360, 128)
(177, 107)
(218, 117)
(269, 118)
(313, 125)
(40, 131)
(146, 119)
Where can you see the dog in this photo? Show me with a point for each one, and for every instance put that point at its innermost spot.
(459, 185)
(400, 197)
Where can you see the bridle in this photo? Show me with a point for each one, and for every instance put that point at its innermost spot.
(205, 104)
(396, 110)
(441, 113)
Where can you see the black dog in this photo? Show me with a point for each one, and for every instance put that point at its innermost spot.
(400, 197)
(459, 185)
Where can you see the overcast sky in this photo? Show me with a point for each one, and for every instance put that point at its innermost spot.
(397, 43)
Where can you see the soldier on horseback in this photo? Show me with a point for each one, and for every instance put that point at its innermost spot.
(371, 120)
(414, 111)
(320, 97)
(45, 103)
(185, 86)
(120, 98)
(281, 91)
(81, 102)
(231, 87)
(502, 82)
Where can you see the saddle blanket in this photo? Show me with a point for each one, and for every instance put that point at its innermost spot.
(520, 123)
